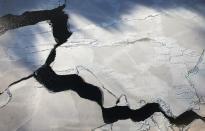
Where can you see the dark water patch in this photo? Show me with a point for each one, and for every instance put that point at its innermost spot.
(184, 119)
(56, 16)
(113, 114)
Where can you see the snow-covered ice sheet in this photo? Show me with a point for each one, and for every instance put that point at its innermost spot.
(146, 50)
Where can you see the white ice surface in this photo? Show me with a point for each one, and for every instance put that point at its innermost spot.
(142, 49)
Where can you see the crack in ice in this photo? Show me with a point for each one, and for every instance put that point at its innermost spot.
(194, 71)
(58, 83)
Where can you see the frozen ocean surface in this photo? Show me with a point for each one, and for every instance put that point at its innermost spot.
(151, 51)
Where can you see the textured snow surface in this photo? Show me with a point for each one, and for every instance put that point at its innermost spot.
(148, 50)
